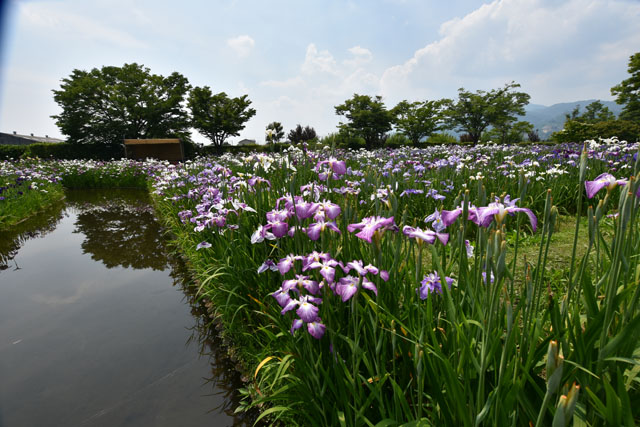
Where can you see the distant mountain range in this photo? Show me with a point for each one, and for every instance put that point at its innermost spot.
(551, 119)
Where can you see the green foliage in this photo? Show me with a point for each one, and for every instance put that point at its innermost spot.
(343, 139)
(22, 199)
(275, 132)
(397, 140)
(367, 118)
(581, 131)
(300, 134)
(473, 113)
(107, 105)
(442, 138)
(11, 151)
(217, 116)
(418, 120)
(73, 151)
(627, 93)
(508, 134)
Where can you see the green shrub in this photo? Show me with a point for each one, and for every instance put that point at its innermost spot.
(11, 151)
(73, 151)
(397, 140)
(442, 138)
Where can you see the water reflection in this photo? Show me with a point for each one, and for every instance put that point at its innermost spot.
(123, 343)
(36, 226)
(225, 377)
(119, 229)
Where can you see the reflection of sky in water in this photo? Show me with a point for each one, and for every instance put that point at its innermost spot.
(89, 345)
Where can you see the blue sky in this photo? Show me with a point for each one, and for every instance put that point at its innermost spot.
(297, 59)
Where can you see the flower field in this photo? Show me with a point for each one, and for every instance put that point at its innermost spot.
(391, 287)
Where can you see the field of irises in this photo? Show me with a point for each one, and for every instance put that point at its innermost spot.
(392, 287)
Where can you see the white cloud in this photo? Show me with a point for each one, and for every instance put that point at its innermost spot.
(242, 45)
(360, 57)
(280, 84)
(522, 40)
(58, 22)
(318, 61)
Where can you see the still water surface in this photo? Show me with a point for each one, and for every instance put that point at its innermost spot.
(95, 328)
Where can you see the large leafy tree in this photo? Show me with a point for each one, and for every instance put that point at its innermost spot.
(475, 112)
(593, 113)
(275, 132)
(418, 120)
(299, 134)
(367, 118)
(106, 105)
(628, 91)
(217, 116)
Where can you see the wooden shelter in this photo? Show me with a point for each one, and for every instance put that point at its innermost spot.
(161, 149)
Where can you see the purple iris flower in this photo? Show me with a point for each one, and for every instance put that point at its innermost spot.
(316, 328)
(348, 286)
(305, 209)
(314, 230)
(469, 247)
(301, 282)
(337, 166)
(331, 210)
(262, 233)
(602, 181)
(203, 245)
(286, 263)
(436, 218)
(327, 269)
(499, 211)
(449, 217)
(426, 235)
(410, 191)
(267, 265)
(282, 297)
(368, 226)
(431, 283)
(314, 257)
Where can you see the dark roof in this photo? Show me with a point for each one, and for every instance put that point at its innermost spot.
(17, 139)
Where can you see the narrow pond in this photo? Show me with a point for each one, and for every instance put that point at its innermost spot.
(95, 327)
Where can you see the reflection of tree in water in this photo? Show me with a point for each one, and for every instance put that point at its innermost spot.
(37, 226)
(224, 375)
(118, 233)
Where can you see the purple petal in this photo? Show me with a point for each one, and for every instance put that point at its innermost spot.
(532, 217)
(313, 231)
(316, 329)
(203, 245)
(443, 237)
(369, 285)
(384, 275)
(593, 187)
(297, 324)
(307, 312)
(449, 217)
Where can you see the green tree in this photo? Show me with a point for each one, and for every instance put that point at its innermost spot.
(217, 116)
(511, 133)
(300, 134)
(275, 132)
(475, 112)
(106, 105)
(367, 118)
(593, 113)
(418, 120)
(628, 91)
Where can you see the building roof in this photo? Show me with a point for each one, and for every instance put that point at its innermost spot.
(19, 139)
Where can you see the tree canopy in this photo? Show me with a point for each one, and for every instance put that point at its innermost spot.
(628, 91)
(275, 132)
(299, 134)
(594, 113)
(418, 120)
(475, 112)
(106, 105)
(217, 116)
(367, 118)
